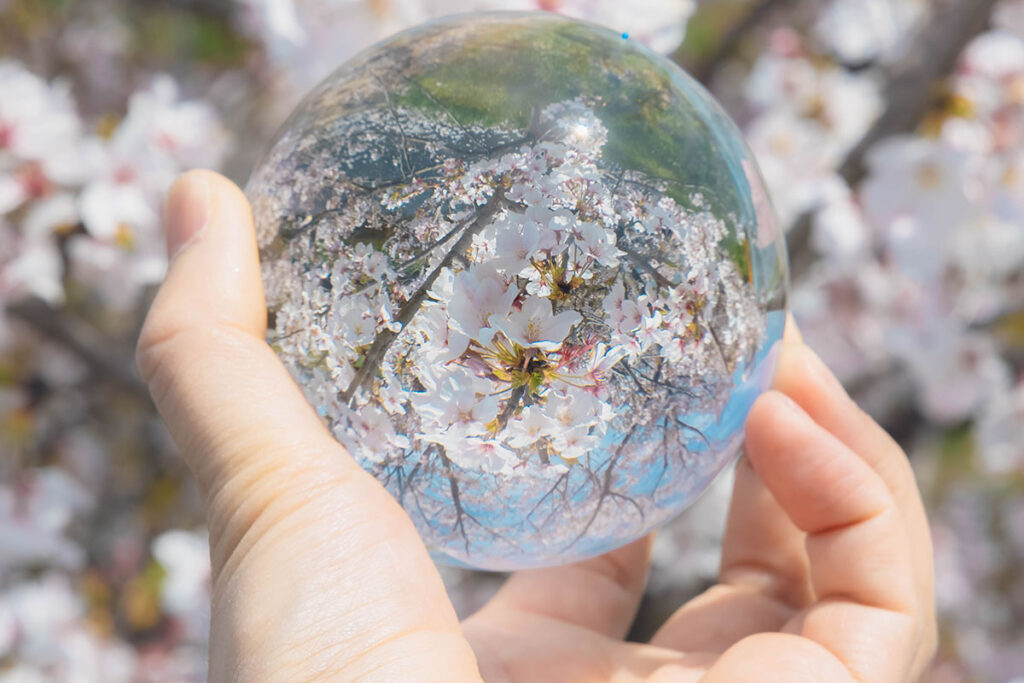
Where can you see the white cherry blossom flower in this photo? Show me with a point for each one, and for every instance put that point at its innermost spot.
(461, 398)
(622, 314)
(159, 136)
(533, 424)
(536, 325)
(919, 179)
(575, 442)
(516, 244)
(38, 121)
(368, 433)
(29, 267)
(954, 376)
(185, 590)
(475, 453)
(34, 515)
(480, 295)
(841, 231)
(599, 244)
(861, 31)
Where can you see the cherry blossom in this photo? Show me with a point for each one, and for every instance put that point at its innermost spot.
(807, 115)
(912, 293)
(38, 123)
(861, 31)
(49, 640)
(34, 515)
(186, 559)
(1001, 431)
(474, 452)
(535, 326)
(919, 180)
(479, 294)
(120, 205)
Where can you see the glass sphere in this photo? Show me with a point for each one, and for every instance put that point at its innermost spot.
(527, 272)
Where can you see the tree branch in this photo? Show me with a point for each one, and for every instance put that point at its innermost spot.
(644, 263)
(81, 341)
(460, 524)
(606, 487)
(410, 308)
(510, 406)
(727, 45)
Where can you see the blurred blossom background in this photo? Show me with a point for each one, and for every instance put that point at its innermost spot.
(890, 132)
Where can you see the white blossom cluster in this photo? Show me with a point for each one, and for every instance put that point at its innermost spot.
(519, 345)
(92, 198)
(80, 202)
(47, 630)
(928, 250)
(914, 271)
(859, 32)
(806, 114)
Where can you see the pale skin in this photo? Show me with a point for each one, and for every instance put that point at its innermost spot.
(318, 574)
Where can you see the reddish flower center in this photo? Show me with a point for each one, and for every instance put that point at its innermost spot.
(34, 182)
(124, 175)
(6, 134)
(166, 141)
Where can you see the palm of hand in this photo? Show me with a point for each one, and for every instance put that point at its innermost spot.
(319, 575)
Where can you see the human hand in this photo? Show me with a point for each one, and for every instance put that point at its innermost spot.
(318, 574)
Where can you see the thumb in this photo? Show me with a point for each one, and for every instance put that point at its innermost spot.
(229, 403)
(317, 570)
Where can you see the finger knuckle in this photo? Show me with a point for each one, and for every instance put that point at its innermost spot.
(151, 352)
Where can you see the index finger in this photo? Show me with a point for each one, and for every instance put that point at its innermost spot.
(802, 376)
(867, 611)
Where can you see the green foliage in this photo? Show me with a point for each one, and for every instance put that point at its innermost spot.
(502, 74)
(57, 5)
(166, 34)
(955, 449)
(739, 252)
(706, 29)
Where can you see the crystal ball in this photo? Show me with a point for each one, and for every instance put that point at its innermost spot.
(526, 271)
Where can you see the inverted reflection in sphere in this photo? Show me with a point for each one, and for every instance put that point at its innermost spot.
(527, 272)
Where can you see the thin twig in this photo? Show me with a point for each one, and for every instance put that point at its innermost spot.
(644, 263)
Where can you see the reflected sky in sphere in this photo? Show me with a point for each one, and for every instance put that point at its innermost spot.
(527, 272)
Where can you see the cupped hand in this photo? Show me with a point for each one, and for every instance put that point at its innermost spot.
(318, 574)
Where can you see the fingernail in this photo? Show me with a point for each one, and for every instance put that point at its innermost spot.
(792, 332)
(186, 212)
(796, 411)
(788, 403)
(816, 366)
